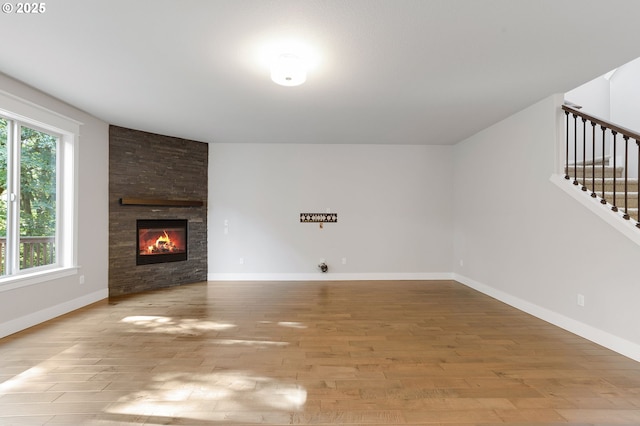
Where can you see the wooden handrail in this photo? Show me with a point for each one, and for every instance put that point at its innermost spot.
(603, 122)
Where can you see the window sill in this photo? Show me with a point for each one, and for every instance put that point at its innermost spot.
(24, 280)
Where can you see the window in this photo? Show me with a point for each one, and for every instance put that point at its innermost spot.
(36, 193)
(28, 170)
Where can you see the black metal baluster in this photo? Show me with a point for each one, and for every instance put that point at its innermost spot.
(615, 147)
(638, 185)
(627, 205)
(604, 199)
(593, 163)
(575, 149)
(566, 157)
(626, 177)
(584, 154)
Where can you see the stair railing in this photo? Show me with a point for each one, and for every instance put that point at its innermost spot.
(607, 136)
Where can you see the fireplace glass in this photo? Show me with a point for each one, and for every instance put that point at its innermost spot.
(161, 241)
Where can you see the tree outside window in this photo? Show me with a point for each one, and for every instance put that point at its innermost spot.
(27, 167)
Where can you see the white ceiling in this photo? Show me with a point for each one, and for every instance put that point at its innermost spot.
(387, 71)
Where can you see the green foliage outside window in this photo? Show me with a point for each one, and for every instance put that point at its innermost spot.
(3, 177)
(37, 182)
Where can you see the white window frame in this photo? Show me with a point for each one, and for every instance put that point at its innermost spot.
(68, 130)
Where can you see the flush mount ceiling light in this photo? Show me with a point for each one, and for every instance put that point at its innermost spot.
(289, 70)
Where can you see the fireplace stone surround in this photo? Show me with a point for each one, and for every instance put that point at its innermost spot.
(149, 166)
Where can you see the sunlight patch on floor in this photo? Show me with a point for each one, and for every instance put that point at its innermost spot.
(22, 378)
(292, 324)
(288, 324)
(37, 372)
(161, 324)
(210, 396)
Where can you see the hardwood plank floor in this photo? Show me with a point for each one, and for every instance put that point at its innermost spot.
(324, 353)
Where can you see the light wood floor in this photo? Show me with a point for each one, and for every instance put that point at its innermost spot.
(348, 353)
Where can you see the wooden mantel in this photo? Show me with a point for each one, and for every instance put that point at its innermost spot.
(159, 202)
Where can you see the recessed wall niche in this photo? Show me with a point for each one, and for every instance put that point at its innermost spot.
(148, 166)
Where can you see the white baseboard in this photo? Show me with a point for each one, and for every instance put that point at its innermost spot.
(36, 318)
(608, 340)
(401, 276)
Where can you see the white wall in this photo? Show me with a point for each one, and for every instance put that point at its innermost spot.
(615, 100)
(625, 92)
(625, 108)
(393, 205)
(23, 307)
(523, 240)
(594, 97)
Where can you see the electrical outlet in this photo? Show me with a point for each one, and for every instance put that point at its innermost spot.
(344, 260)
(322, 260)
(461, 262)
(241, 261)
(81, 279)
(580, 299)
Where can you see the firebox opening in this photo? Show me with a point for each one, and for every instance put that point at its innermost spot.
(161, 240)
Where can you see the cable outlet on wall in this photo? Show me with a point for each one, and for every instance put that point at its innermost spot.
(580, 299)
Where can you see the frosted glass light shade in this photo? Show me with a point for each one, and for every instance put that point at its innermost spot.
(289, 70)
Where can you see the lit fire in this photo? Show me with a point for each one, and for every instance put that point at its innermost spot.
(162, 245)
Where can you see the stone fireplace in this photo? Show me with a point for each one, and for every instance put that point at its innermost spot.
(157, 186)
